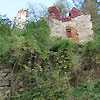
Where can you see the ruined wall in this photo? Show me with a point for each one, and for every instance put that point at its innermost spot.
(9, 82)
(21, 19)
(81, 22)
(5, 83)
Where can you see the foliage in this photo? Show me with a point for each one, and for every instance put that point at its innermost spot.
(47, 83)
(67, 5)
(30, 50)
(23, 45)
(62, 51)
(5, 33)
(54, 87)
(90, 53)
(92, 7)
(49, 87)
(5, 24)
(46, 64)
(35, 12)
(61, 8)
(87, 91)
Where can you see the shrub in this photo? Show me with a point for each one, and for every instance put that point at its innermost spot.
(63, 54)
(91, 54)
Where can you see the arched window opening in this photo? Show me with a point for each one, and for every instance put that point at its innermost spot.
(71, 33)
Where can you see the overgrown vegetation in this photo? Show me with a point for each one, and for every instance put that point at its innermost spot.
(91, 55)
(46, 66)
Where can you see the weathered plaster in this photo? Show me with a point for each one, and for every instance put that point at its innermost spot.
(82, 24)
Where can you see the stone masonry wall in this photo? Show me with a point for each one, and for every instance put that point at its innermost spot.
(82, 24)
(4, 82)
(79, 23)
(9, 81)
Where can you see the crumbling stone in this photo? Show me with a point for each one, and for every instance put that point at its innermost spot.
(4, 82)
(21, 19)
(79, 22)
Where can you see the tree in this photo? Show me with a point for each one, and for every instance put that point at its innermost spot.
(77, 3)
(67, 3)
(92, 7)
(5, 25)
(61, 8)
(37, 11)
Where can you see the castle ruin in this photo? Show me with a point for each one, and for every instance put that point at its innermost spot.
(78, 26)
(21, 19)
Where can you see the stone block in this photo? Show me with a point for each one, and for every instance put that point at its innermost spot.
(4, 83)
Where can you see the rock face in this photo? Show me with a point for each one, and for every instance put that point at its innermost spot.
(78, 26)
(4, 82)
(9, 81)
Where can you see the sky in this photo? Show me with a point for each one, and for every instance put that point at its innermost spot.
(11, 7)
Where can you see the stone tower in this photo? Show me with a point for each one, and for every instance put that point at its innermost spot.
(21, 19)
(78, 26)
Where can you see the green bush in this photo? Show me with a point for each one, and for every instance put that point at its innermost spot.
(46, 63)
(32, 49)
(87, 91)
(91, 54)
(23, 45)
(63, 54)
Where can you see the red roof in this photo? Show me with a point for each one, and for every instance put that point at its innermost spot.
(54, 12)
